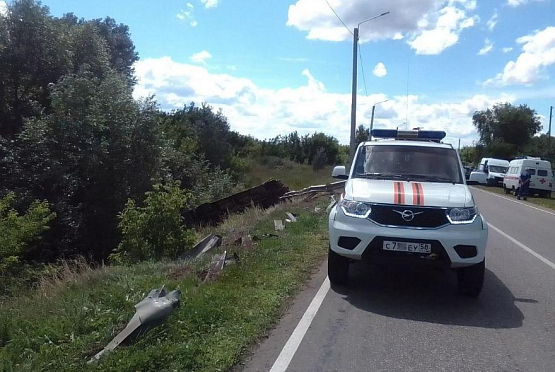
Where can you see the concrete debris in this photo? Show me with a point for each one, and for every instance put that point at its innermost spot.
(205, 245)
(150, 312)
(246, 242)
(291, 217)
(332, 203)
(317, 209)
(216, 266)
(278, 225)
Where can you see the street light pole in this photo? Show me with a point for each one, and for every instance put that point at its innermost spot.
(354, 99)
(352, 146)
(372, 119)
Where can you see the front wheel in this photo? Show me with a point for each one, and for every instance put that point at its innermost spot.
(507, 191)
(470, 280)
(338, 268)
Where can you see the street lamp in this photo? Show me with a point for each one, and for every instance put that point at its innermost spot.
(354, 89)
(372, 120)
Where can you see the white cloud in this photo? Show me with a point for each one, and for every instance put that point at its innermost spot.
(448, 23)
(210, 3)
(187, 15)
(265, 113)
(380, 70)
(201, 57)
(507, 49)
(538, 52)
(515, 3)
(493, 20)
(488, 47)
(429, 25)
(3, 8)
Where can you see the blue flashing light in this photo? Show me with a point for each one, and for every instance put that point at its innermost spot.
(432, 135)
(384, 133)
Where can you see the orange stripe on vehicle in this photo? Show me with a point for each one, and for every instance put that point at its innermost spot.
(401, 193)
(415, 198)
(396, 192)
(420, 193)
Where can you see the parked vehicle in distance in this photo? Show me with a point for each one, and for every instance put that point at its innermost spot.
(490, 172)
(541, 182)
(406, 203)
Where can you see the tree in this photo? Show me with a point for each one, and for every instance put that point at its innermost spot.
(467, 154)
(97, 148)
(508, 124)
(362, 134)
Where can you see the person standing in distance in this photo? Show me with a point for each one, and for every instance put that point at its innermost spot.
(524, 184)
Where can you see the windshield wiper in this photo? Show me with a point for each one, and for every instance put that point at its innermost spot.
(430, 178)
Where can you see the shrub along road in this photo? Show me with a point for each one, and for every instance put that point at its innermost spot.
(414, 321)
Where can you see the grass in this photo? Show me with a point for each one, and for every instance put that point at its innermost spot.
(543, 202)
(74, 315)
(294, 175)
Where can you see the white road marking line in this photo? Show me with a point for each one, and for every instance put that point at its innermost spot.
(514, 201)
(290, 348)
(538, 256)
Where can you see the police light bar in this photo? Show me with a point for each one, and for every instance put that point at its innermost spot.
(433, 135)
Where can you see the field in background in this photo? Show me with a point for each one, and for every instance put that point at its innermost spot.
(294, 175)
(543, 202)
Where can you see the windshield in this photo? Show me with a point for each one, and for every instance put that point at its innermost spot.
(428, 164)
(497, 169)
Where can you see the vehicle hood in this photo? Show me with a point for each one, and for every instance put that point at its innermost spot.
(495, 174)
(430, 194)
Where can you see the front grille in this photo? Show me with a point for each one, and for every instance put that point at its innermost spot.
(423, 217)
(499, 179)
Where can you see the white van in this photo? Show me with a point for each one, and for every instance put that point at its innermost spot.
(541, 182)
(490, 172)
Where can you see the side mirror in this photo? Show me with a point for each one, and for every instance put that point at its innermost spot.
(340, 173)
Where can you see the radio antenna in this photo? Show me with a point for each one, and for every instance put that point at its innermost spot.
(408, 77)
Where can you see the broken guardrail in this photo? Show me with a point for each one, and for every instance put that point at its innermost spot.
(150, 312)
(330, 188)
(264, 196)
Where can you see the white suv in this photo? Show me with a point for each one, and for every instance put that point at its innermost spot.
(406, 203)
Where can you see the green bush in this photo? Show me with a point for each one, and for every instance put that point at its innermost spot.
(154, 230)
(271, 161)
(18, 233)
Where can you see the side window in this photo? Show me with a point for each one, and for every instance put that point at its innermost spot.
(542, 172)
(532, 172)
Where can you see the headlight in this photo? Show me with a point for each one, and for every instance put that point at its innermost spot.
(355, 209)
(458, 216)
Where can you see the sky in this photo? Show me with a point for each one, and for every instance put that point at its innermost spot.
(277, 66)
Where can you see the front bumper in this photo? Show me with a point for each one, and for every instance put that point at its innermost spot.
(443, 240)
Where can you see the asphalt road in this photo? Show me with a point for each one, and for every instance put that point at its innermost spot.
(415, 321)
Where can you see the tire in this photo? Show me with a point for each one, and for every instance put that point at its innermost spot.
(338, 268)
(507, 191)
(470, 280)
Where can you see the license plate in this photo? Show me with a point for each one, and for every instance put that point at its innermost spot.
(407, 247)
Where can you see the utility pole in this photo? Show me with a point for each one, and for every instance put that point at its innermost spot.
(459, 150)
(549, 132)
(352, 146)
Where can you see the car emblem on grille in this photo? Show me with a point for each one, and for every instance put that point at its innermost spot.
(407, 215)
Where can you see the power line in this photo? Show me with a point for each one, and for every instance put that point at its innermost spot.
(338, 17)
(362, 67)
